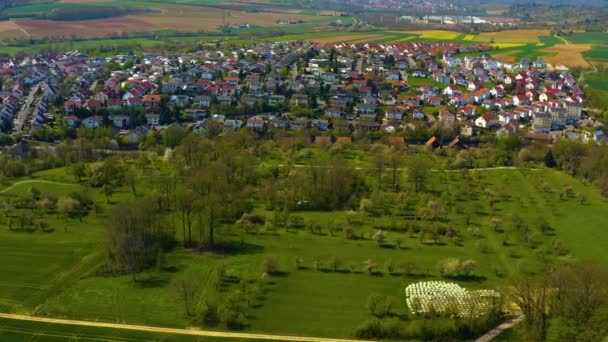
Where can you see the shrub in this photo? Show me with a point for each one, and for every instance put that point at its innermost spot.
(210, 313)
(296, 221)
(269, 265)
(369, 329)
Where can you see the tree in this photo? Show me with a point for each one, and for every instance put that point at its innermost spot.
(187, 203)
(137, 235)
(395, 162)
(379, 236)
(407, 267)
(578, 303)
(68, 207)
(370, 265)
(549, 159)
(188, 292)
(108, 191)
(336, 263)
(43, 225)
(379, 164)
(418, 171)
(374, 301)
(495, 224)
(78, 170)
(130, 180)
(269, 265)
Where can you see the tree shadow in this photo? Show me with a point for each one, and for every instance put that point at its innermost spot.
(469, 278)
(151, 282)
(234, 248)
(171, 269)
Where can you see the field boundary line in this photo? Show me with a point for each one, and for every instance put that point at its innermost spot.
(176, 331)
(29, 36)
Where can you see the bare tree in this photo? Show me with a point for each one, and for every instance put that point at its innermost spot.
(188, 292)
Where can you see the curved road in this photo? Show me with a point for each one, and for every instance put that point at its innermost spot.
(190, 332)
(32, 181)
(562, 39)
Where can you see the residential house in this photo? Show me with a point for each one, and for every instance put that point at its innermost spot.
(152, 119)
(120, 121)
(486, 121)
(92, 121)
(394, 113)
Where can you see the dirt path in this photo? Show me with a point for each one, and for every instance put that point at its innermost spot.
(32, 181)
(490, 335)
(27, 34)
(560, 38)
(190, 332)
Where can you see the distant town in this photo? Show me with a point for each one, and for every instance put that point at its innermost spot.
(417, 92)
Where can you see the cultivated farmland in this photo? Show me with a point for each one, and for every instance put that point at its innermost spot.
(8, 30)
(167, 16)
(436, 34)
(599, 38)
(568, 54)
(512, 36)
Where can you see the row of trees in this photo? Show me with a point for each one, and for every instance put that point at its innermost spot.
(568, 303)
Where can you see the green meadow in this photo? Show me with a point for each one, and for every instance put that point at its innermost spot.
(56, 272)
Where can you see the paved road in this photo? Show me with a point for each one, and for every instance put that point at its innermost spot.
(490, 335)
(190, 332)
(23, 114)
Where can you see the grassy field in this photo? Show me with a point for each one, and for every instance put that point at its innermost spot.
(52, 273)
(597, 53)
(599, 38)
(12, 330)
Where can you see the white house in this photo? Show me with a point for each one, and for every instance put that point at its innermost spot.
(486, 121)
